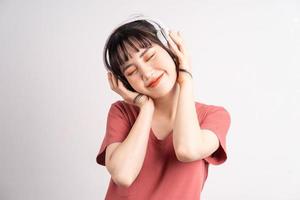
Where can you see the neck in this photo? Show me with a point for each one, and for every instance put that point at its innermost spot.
(165, 107)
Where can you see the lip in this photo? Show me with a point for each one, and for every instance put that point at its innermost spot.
(156, 82)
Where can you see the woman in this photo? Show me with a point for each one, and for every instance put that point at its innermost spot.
(159, 142)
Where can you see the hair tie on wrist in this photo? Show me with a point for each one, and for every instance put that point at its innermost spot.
(184, 70)
(136, 97)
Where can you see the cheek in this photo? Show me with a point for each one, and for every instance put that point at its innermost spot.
(136, 84)
(166, 62)
(170, 66)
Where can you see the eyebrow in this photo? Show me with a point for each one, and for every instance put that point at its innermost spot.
(141, 55)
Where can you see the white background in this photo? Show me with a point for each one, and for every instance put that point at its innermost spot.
(55, 95)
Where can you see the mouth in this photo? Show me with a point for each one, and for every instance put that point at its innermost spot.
(156, 81)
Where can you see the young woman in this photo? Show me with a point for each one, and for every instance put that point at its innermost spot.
(159, 142)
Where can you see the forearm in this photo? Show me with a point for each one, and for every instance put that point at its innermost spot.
(127, 159)
(186, 133)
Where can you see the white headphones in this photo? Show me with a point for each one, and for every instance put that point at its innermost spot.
(162, 31)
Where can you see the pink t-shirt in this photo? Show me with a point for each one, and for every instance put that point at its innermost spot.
(163, 176)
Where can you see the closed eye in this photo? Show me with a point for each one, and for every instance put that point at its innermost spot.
(129, 74)
(151, 57)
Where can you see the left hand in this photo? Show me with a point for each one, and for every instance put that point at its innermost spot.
(179, 49)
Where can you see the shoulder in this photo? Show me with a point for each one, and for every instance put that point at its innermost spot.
(204, 109)
(123, 105)
(124, 109)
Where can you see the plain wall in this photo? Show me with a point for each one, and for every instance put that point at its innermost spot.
(55, 95)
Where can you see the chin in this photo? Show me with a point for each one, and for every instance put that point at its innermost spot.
(163, 90)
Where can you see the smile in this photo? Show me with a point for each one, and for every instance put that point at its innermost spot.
(155, 83)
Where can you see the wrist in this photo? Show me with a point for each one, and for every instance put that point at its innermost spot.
(184, 77)
(186, 71)
(149, 106)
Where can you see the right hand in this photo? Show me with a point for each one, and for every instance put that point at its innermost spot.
(128, 96)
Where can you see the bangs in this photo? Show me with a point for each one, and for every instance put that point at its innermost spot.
(119, 51)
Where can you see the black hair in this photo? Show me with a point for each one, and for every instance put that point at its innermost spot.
(140, 31)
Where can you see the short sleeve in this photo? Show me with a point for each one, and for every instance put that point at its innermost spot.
(217, 120)
(117, 129)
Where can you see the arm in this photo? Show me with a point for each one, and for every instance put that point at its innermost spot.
(190, 141)
(127, 159)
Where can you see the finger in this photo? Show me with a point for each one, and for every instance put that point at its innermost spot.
(109, 80)
(114, 80)
(182, 45)
(121, 86)
(173, 46)
(178, 41)
(123, 90)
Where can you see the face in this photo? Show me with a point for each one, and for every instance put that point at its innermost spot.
(147, 65)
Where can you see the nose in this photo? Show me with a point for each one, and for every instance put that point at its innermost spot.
(147, 72)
